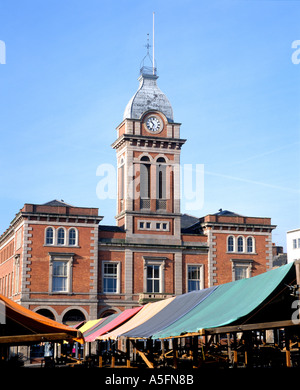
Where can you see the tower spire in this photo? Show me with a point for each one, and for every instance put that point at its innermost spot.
(153, 62)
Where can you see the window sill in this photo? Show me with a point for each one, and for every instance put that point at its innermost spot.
(61, 246)
(241, 253)
(60, 293)
(110, 293)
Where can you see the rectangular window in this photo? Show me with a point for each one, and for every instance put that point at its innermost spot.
(59, 276)
(298, 242)
(110, 277)
(194, 277)
(294, 243)
(153, 278)
(141, 225)
(148, 225)
(241, 272)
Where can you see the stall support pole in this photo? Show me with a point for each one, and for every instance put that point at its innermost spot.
(113, 353)
(248, 348)
(195, 351)
(235, 355)
(287, 348)
(127, 353)
(175, 353)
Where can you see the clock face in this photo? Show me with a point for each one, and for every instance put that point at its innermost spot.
(153, 123)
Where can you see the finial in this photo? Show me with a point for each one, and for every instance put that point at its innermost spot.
(149, 69)
(153, 67)
(148, 44)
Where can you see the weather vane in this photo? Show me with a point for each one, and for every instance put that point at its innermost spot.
(143, 67)
(148, 44)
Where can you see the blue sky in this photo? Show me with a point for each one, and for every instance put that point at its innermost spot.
(226, 67)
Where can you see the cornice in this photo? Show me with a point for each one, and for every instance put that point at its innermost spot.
(151, 141)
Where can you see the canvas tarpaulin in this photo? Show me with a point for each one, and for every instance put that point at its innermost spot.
(89, 324)
(22, 324)
(102, 322)
(181, 305)
(148, 310)
(117, 321)
(227, 303)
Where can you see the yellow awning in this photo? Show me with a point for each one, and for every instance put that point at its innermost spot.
(88, 325)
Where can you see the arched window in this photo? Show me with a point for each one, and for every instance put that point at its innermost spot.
(161, 178)
(72, 236)
(145, 182)
(240, 244)
(230, 244)
(121, 181)
(250, 244)
(46, 313)
(73, 316)
(61, 236)
(49, 236)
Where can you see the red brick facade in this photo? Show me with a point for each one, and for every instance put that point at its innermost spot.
(25, 260)
(61, 261)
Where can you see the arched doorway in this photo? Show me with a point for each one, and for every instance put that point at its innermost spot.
(107, 313)
(46, 313)
(73, 317)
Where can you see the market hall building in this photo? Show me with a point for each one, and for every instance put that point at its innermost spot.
(61, 261)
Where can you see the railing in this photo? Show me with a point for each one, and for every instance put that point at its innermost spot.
(152, 297)
(148, 70)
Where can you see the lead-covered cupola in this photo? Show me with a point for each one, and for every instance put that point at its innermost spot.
(148, 96)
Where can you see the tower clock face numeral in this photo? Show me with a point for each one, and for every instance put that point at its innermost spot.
(153, 123)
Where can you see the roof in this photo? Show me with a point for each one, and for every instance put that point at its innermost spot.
(56, 202)
(227, 213)
(148, 97)
(188, 220)
(111, 228)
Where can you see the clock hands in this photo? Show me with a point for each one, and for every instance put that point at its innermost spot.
(153, 124)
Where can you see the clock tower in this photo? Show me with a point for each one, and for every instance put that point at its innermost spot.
(148, 149)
